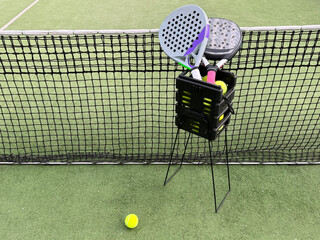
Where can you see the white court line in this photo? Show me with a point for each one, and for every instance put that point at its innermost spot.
(19, 15)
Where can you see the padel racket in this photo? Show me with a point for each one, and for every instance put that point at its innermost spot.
(183, 36)
(225, 40)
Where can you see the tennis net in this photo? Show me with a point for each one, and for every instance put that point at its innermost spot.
(109, 96)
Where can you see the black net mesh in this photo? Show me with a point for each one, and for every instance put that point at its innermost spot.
(111, 98)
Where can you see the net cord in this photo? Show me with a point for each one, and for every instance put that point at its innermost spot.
(140, 31)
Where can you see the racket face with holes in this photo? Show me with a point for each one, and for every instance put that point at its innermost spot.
(225, 39)
(184, 34)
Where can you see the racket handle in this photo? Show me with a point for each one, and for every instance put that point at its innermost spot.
(211, 77)
(211, 73)
(196, 74)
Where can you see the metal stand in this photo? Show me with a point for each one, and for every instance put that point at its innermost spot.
(167, 179)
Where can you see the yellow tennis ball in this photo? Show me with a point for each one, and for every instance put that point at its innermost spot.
(204, 78)
(131, 221)
(222, 117)
(223, 86)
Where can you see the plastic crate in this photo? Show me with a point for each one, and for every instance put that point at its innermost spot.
(200, 105)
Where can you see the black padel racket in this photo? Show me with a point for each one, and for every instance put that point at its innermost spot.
(225, 40)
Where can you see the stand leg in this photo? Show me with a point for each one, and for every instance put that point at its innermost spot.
(217, 208)
(227, 156)
(213, 183)
(171, 155)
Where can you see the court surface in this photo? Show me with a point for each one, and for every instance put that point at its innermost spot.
(91, 202)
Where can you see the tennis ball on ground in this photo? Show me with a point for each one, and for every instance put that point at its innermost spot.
(131, 221)
(204, 78)
(223, 86)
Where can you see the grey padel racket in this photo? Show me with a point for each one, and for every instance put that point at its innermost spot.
(224, 42)
(183, 36)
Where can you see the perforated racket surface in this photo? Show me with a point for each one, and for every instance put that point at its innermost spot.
(225, 39)
(183, 36)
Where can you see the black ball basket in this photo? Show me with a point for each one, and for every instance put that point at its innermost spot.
(203, 110)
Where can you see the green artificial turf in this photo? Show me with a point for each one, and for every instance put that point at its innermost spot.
(9, 9)
(91, 202)
(101, 14)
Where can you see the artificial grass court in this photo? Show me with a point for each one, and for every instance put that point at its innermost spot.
(91, 202)
(145, 14)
